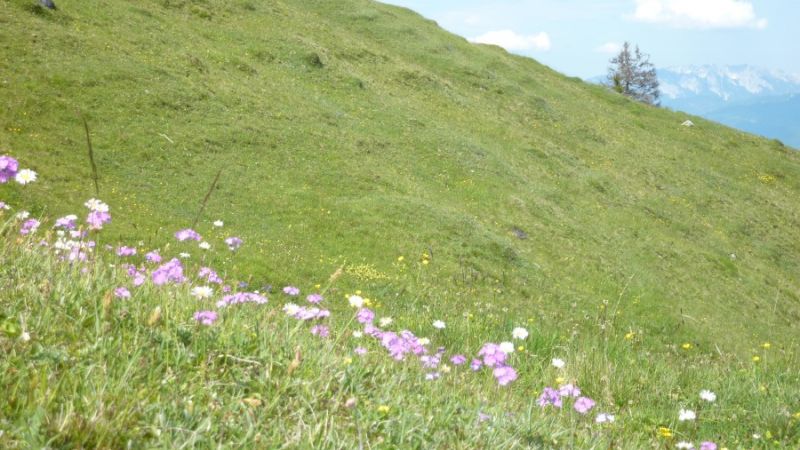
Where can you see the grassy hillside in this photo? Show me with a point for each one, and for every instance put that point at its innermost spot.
(358, 131)
(441, 176)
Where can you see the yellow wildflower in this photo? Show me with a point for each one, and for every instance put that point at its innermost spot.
(630, 335)
(664, 432)
(756, 358)
(766, 345)
(686, 346)
(383, 409)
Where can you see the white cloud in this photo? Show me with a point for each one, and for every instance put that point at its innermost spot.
(609, 47)
(512, 41)
(699, 14)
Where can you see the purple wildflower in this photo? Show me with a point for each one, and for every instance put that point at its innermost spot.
(76, 254)
(458, 360)
(303, 313)
(549, 397)
(153, 257)
(96, 219)
(291, 290)
(172, 271)
(365, 315)
(206, 317)
(414, 345)
(569, 390)
(208, 274)
(372, 330)
(139, 278)
(233, 242)
(708, 445)
(476, 365)
(241, 297)
(504, 375)
(67, 222)
(360, 351)
(432, 376)
(493, 355)
(321, 331)
(29, 226)
(314, 298)
(187, 234)
(130, 269)
(8, 168)
(430, 361)
(583, 404)
(483, 417)
(126, 251)
(394, 344)
(122, 292)
(398, 345)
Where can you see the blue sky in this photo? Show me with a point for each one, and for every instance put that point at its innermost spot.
(578, 37)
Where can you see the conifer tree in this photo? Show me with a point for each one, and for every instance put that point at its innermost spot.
(632, 74)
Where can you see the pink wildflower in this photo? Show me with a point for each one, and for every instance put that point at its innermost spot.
(583, 404)
(206, 317)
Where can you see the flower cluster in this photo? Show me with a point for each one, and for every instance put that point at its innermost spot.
(9, 168)
(304, 313)
(170, 272)
(241, 297)
(29, 227)
(209, 275)
(126, 251)
(206, 317)
(555, 397)
(233, 243)
(188, 234)
(69, 222)
(98, 214)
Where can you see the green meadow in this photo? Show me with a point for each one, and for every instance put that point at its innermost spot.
(362, 150)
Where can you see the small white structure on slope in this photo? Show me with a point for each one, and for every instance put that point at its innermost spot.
(688, 123)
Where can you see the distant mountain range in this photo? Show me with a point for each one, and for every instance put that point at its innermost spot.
(760, 101)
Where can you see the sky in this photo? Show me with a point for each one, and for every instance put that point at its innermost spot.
(578, 37)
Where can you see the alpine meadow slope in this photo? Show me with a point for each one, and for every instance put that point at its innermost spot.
(436, 174)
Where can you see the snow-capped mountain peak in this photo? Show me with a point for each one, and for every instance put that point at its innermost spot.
(727, 83)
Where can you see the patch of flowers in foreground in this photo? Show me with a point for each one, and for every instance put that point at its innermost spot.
(74, 244)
